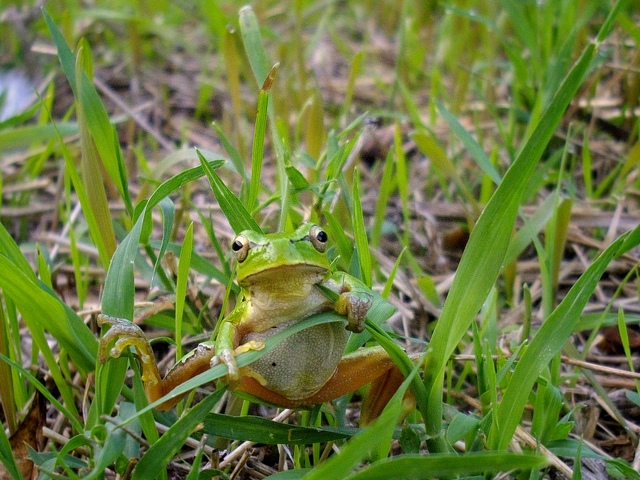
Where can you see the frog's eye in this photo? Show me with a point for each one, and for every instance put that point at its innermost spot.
(240, 247)
(318, 238)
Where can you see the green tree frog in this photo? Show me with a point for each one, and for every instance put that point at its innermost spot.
(278, 275)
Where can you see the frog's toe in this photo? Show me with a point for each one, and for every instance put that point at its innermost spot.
(249, 346)
(355, 308)
(227, 357)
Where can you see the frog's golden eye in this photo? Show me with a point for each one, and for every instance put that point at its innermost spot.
(240, 247)
(318, 238)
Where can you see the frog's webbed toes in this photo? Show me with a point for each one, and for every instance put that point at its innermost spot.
(354, 307)
(125, 333)
(228, 357)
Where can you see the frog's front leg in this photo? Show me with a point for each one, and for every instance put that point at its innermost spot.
(355, 299)
(127, 333)
(226, 341)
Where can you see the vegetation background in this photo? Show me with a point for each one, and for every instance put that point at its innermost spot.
(413, 131)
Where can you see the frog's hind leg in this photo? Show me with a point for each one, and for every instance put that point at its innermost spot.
(368, 365)
(192, 364)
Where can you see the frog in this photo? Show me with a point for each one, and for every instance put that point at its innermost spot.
(282, 279)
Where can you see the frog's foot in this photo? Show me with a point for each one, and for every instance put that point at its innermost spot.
(126, 334)
(354, 306)
(228, 357)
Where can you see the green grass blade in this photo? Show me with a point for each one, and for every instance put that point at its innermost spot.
(25, 136)
(181, 285)
(470, 144)
(262, 430)
(364, 256)
(547, 342)
(160, 453)
(257, 152)
(90, 106)
(416, 467)
(368, 440)
(174, 183)
(117, 301)
(94, 186)
(77, 426)
(41, 311)
(238, 216)
(253, 46)
(6, 457)
(494, 227)
(234, 155)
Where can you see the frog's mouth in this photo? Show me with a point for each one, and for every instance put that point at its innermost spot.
(286, 274)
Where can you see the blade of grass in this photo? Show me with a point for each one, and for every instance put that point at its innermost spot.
(6, 457)
(257, 152)
(417, 466)
(547, 342)
(238, 216)
(494, 228)
(89, 102)
(375, 437)
(262, 430)
(94, 186)
(155, 461)
(181, 286)
(250, 31)
(364, 256)
(25, 136)
(470, 144)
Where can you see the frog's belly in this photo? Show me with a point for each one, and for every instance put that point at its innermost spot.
(301, 364)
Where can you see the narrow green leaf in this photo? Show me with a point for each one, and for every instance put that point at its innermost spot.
(494, 228)
(6, 457)
(91, 107)
(262, 430)
(375, 436)
(25, 136)
(257, 152)
(160, 453)
(470, 144)
(416, 467)
(181, 285)
(41, 311)
(360, 233)
(544, 346)
(238, 217)
(253, 46)
(234, 155)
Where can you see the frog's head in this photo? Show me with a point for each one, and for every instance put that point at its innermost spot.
(301, 252)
